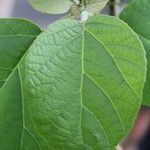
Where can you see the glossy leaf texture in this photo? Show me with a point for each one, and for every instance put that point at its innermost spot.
(16, 35)
(62, 6)
(137, 15)
(84, 83)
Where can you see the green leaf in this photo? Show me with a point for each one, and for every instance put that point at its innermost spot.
(91, 6)
(16, 35)
(137, 15)
(62, 6)
(84, 82)
(94, 6)
(51, 6)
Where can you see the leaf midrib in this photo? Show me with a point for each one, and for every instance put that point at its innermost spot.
(81, 84)
(81, 88)
(83, 72)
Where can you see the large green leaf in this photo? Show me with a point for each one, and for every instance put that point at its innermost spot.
(16, 35)
(137, 15)
(84, 83)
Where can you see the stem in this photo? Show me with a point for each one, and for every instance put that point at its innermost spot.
(112, 8)
(84, 15)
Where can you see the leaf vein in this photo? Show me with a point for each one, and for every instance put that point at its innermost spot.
(117, 66)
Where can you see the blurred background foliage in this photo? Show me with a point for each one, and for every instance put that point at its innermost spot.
(21, 8)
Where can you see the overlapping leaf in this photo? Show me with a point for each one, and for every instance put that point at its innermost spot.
(62, 6)
(137, 15)
(94, 6)
(16, 35)
(51, 6)
(84, 83)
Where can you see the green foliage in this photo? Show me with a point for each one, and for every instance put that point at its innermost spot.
(84, 82)
(94, 6)
(62, 6)
(16, 35)
(77, 85)
(137, 15)
(51, 6)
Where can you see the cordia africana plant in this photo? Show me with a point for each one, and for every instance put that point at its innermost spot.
(77, 85)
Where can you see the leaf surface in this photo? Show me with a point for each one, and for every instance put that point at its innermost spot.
(137, 15)
(16, 35)
(51, 6)
(62, 6)
(94, 6)
(84, 82)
